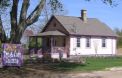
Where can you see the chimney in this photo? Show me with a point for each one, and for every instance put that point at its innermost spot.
(83, 15)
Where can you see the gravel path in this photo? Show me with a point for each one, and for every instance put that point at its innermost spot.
(37, 73)
(109, 73)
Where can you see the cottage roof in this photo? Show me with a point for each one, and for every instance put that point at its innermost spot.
(51, 33)
(76, 26)
(28, 33)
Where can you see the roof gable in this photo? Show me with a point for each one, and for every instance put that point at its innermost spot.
(50, 26)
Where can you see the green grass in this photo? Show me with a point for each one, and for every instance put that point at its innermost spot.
(92, 64)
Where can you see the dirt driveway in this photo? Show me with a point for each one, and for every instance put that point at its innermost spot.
(108, 73)
(111, 73)
(37, 73)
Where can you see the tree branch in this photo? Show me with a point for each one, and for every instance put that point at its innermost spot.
(23, 14)
(33, 17)
(24, 9)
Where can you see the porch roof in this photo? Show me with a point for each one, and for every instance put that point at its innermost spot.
(51, 33)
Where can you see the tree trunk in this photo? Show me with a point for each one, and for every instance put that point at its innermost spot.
(17, 29)
(14, 27)
(3, 37)
(22, 20)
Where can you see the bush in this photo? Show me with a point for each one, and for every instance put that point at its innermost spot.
(119, 42)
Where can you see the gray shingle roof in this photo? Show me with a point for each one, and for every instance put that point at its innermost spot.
(75, 26)
(51, 33)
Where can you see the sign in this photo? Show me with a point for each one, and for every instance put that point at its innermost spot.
(12, 55)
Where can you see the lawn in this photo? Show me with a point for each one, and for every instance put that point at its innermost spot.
(37, 69)
(92, 64)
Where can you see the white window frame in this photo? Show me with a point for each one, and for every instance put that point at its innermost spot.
(103, 42)
(78, 42)
(88, 42)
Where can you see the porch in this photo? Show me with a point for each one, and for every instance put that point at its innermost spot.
(54, 44)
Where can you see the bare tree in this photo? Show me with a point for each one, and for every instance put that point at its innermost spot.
(18, 26)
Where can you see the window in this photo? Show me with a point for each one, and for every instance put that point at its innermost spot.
(78, 42)
(87, 42)
(104, 42)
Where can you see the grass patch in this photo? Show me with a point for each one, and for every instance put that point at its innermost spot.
(92, 64)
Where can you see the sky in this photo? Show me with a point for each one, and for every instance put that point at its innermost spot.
(110, 15)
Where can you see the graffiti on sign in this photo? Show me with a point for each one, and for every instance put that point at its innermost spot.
(12, 55)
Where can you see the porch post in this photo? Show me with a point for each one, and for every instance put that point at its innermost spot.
(51, 45)
(29, 44)
(68, 46)
(36, 46)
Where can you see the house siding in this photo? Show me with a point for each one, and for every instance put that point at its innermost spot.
(95, 46)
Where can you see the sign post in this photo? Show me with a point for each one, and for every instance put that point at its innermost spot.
(1, 63)
(12, 55)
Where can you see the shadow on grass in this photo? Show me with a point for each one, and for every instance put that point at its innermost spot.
(37, 68)
(65, 66)
(11, 72)
(51, 66)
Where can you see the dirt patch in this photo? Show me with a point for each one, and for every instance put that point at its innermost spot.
(39, 70)
(38, 73)
(119, 51)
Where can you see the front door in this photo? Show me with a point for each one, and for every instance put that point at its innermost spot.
(46, 47)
